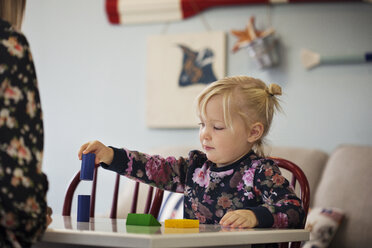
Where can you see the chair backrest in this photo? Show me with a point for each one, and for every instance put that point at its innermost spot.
(152, 203)
(297, 175)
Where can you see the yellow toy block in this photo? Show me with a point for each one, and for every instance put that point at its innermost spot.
(181, 223)
(170, 230)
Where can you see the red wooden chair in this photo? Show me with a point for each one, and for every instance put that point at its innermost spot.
(152, 203)
(297, 175)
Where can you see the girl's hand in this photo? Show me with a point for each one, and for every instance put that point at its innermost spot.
(103, 153)
(239, 218)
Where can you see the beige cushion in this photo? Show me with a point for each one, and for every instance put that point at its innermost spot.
(311, 161)
(346, 184)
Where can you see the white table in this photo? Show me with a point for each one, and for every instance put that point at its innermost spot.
(105, 232)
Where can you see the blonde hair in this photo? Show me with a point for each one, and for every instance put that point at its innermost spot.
(248, 97)
(12, 11)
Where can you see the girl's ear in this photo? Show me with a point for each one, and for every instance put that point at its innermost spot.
(255, 132)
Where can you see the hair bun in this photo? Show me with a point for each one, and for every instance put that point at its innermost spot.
(274, 89)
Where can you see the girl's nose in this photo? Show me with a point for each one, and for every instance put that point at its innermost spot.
(205, 133)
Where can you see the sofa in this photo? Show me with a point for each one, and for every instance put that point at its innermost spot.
(339, 181)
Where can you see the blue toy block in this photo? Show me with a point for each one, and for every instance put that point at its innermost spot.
(83, 208)
(87, 166)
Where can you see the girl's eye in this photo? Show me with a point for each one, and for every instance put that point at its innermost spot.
(219, 128)
(201, 124)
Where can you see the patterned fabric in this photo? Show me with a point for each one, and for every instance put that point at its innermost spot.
(23, 186)
(251, 183)
(322, 223)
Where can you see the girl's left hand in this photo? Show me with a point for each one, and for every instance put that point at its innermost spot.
(239, 218)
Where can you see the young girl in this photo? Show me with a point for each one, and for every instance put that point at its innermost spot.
(230, 182)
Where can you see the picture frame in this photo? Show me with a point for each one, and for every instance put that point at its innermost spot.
(179, 67)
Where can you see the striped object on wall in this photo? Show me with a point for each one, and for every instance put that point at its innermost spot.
(147, 11)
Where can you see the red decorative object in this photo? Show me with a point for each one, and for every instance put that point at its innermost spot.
(144, 11)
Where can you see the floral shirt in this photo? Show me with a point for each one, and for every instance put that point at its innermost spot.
(23, 186)
(252, 182)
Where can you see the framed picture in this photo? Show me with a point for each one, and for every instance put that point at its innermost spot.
(179, 66)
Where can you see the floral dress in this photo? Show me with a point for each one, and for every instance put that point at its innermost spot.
(252, 182)
(23, 186)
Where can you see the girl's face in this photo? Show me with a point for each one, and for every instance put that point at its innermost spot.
(222, 145)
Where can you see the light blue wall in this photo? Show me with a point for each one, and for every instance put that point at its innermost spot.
(92, 78)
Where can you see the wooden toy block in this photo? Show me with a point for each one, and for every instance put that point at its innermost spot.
(87, 166)
(171, 230)
(142, 220)
(182, 223)
(83, 208)
(143, 229)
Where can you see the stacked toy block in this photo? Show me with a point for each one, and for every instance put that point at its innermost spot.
(86, 174)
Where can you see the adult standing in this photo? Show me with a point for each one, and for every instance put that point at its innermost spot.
(23, 186)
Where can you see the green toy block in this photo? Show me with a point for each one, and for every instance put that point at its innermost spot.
(142, 220)
(144, 229)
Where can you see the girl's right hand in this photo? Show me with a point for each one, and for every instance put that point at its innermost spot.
(103, 153)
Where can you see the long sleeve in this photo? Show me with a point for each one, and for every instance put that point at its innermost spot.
(23, 186)
(281, 207)
(165, 173)
(250, 183)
